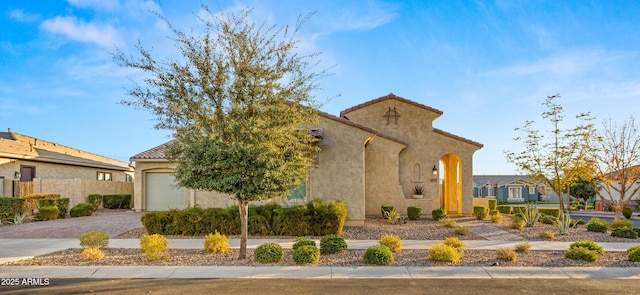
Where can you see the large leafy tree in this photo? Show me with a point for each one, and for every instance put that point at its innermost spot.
(583, 189)
(559, 157)
(238, 101)
(618, 159)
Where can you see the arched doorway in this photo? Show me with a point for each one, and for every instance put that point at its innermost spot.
(450, 179)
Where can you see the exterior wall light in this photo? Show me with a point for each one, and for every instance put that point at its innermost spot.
(434, 170)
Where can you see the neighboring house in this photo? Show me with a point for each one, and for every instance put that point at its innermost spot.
(375, 153)
(31, 165)
(511, 189)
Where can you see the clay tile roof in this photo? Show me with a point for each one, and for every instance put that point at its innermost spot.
(436, 130)
(155, 153)
(359, 126)
(386, 97)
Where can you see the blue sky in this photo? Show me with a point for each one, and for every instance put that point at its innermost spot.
(487, 65)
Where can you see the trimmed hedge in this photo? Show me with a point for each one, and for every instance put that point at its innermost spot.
(31, 201)
(504, 209)
(82, 209)
(9, 207)
(414, 212)
(121, 201)
(519, 210)
(480, 212)
(313, 219)
(95, 200)
(493, 203)
(61, 203)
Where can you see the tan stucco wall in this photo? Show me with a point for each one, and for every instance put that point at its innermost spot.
(77, 190)
(8, 167)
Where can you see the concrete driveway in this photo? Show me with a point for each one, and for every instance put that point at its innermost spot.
(111, 223)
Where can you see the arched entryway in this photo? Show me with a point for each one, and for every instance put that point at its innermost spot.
(450, 179)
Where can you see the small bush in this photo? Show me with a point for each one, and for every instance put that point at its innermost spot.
(268, 253)
(627, 212)
(597, 225)
(154, 247)
(480, 212)
(122, 201)
(95, 200)
(517, 222)
(622, 223)
(94, 239)
(48, 213)
(461, 231)
(493, 204)
(299, 242)
(306, 254)
(506, 254)
(438, 214)
(331, 244)
(494, 212)
(580, 253)
(455, 243)
(378, 255)
(63, 206)
(625, 232)
(92, 253)
(633, 253)
(216, 243)
(386, 209)
(523, 247)
(497, 218)
(519, 210)
(414, 212)
(394, 243)
(588, 244)
(448, 222)
(504, 209)
(548, 235)
(82, 209)
(444, 253)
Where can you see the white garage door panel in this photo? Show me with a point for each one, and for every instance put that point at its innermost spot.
(162, 194)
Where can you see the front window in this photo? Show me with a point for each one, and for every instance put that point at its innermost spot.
(515, 192)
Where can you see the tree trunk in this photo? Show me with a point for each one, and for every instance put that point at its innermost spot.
(243, 206)
(618, 211)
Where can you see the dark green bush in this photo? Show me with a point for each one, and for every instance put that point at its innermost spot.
(551, 212)
(299, 242)
(378, 255)
(493, 204)
(625, 232)
(581, 253)
(82, 209)
(121, 201)
(306, 254)
(438, 214)
(331, 244)
(48, 213)
(588, 244)
(597, 225)
(268, 253)
(414, 212)
(480, 212)
(385, 209)
(44, 202)
(63, 206)
(9, 207)
(504, 209)
(627, 212)
(95, 200)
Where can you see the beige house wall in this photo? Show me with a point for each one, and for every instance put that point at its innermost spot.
(77, 190)
(8, 167)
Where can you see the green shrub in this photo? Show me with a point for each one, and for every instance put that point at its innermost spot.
(331, 244)
(517, 222)
(493, 203)
(461, 231)
(306, 254)
(393, 242)
(622, 223)
(63, 206)
(506, 254)
(597, 225)
(548, 235)
(48, 213)
(438, 214)
(82, 209)
(386, 209)
(94, 239)
(414, 212)
(448, 222)
(580, 253)
(10, 207)
(44, 202)
(497, 218)
(553, 212)
(154, 247)
(455, 243)
(504, 209)
(523, 247)
(519, 210)
(480, 212)
(31, 201)
(216, 243)
(493, 212)
(95, 200)
(299, 242)
(121, 201)
(92, 253)
(627, 212)
(625, 232)
(588, 244)
(633, 253)
(378, 255)
(268, 253)
(444, 253)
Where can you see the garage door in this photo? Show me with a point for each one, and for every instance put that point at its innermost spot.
(162, 194)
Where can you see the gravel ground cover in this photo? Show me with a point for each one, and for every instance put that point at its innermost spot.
(373, 229)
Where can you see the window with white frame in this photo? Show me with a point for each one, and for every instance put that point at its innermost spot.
(490, 191)
(532, 190)
(515, 192)
(104, 176)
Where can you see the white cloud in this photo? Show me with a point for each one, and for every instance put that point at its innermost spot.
(108, 5)
(362, 17)
(21, 16)
(75, 29)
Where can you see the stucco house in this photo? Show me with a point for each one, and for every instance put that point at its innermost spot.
(32, 165)
(506, 188)
(373, 154)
